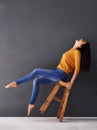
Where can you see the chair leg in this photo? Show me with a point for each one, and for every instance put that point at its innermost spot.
(62, 107)
(50, 98)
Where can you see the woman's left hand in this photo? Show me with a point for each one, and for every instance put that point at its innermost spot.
(69, 85)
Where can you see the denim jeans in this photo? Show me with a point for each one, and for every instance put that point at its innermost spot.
(41, 76)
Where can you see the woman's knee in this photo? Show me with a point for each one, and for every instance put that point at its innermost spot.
(36, 81)
(36, 70)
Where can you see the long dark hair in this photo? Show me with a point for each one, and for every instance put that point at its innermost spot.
(85, 57)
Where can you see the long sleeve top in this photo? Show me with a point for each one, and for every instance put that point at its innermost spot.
(70, 61)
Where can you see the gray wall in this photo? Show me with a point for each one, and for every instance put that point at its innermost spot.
(34, 34)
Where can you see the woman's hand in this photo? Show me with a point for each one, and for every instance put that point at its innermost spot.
(69, 85)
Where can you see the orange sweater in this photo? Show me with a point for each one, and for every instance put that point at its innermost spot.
(70, 61)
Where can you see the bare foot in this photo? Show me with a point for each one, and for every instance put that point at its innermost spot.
(11, 85)
(30, 107)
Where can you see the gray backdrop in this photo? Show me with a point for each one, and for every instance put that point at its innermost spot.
(34, 34)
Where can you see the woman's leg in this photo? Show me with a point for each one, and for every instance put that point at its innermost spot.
(35, 91)
(52, 75)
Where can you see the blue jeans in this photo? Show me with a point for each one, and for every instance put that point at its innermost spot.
(41, 76)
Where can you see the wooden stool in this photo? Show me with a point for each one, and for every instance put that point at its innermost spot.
(63, 101)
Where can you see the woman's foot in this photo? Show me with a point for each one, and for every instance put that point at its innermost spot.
(11, 85)
(30, 107)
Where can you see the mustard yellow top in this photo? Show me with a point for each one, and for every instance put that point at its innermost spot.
(70, 61)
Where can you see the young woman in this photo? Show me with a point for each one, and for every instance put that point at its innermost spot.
(76, 59)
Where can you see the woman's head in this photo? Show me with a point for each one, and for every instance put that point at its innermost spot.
(84, 48)
(80, 42)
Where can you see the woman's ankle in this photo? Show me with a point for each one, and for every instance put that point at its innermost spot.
(15, 83)
(31, 105)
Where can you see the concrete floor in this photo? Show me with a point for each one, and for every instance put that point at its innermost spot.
(48, 123)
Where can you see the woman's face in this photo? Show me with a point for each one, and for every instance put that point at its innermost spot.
(80, 42)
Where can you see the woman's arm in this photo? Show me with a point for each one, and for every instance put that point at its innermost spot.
(76, 70)
(69, 84)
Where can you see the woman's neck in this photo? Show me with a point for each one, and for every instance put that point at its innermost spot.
(75, 47)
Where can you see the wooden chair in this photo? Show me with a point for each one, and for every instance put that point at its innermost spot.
(52, 96)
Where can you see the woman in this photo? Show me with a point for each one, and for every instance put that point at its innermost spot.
(74, 60)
